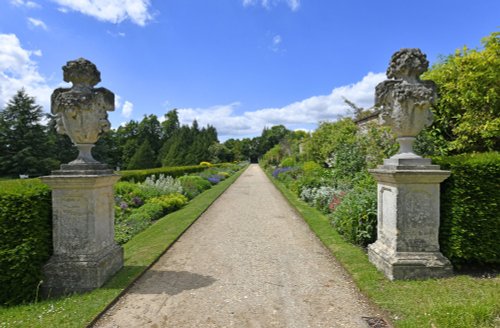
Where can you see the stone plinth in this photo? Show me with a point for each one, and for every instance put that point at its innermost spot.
(85, 254)
(407, 245)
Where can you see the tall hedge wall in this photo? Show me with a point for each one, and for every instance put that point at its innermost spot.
(25, 235)
(470, 208)
(174, 171)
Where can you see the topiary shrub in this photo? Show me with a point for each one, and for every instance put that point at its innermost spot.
(470, 206)
(206, 164)
(26, 238)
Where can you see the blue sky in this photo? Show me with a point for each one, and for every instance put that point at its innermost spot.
(239, 65)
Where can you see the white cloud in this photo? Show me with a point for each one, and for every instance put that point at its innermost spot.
(118, 101)
(18, 70)
(298, 115)
(114, 11)
(293, 4)
(117, 34)
(127, 109)
(27, 4)
(33, 22)
(276, 43)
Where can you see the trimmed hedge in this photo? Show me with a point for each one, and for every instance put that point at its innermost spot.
(470, 199)
(175, 171)
(26, 238)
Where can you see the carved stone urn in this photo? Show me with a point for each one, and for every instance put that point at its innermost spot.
(81, 111)
(404, 100)
(407, 245)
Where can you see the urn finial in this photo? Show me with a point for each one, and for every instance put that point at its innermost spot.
(81, 111)
(404, 100)
(81, 71)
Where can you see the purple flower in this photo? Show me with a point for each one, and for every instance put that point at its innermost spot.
(214, 179)
(123, 205)
(137, 201)
(280, 170)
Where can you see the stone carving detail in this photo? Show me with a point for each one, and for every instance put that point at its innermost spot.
(404, 100)
(81, 111)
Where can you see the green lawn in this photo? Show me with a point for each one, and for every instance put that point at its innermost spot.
(140, 252)
(460, 301)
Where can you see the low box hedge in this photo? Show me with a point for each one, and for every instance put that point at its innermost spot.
(175, 171)
(470, 199)
(26, 238)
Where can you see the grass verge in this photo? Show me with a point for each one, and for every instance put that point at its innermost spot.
(140, 252)
(458, 302)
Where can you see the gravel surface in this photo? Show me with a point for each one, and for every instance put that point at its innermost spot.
(249, 261)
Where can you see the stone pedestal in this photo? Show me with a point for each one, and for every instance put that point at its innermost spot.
(407, 245)
(85, 254)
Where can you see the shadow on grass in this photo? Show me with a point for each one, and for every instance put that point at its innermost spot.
(481, 271)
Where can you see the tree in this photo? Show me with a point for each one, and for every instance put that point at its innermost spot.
(219, 153)
(61, 147)
(25, 146)
(144, 157)
(150, 129)
(170, 125)
(107, 149)
(271, 137)
(126, 139)
(467, 114)
(330, 137)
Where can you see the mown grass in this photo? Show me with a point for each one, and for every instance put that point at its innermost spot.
(140, 252)
(457, 302)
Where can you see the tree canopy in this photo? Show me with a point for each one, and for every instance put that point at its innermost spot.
(24, 141)
(467, 114)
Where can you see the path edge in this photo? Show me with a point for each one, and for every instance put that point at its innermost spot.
(384, 314)
(126, 289)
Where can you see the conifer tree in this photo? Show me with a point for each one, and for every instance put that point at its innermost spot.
(25, 146)
(144, 157)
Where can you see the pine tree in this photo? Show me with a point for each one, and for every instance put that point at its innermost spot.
(143, 158)
(25, 146)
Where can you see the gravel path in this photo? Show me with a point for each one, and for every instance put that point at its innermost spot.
(249, 261)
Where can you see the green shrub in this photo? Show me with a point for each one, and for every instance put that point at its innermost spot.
(287, 161)
(138, 220)
(311, 168)
(163, 185)
(206, 164)
(355, 217)
(470, 199)
(25, 234)
(170, 202)
(130, 193)
(174, 171)
(193, 185)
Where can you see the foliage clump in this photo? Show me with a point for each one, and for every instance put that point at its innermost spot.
(467, 113)
(163, 185)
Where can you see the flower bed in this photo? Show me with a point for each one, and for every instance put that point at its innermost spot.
(138, 205)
